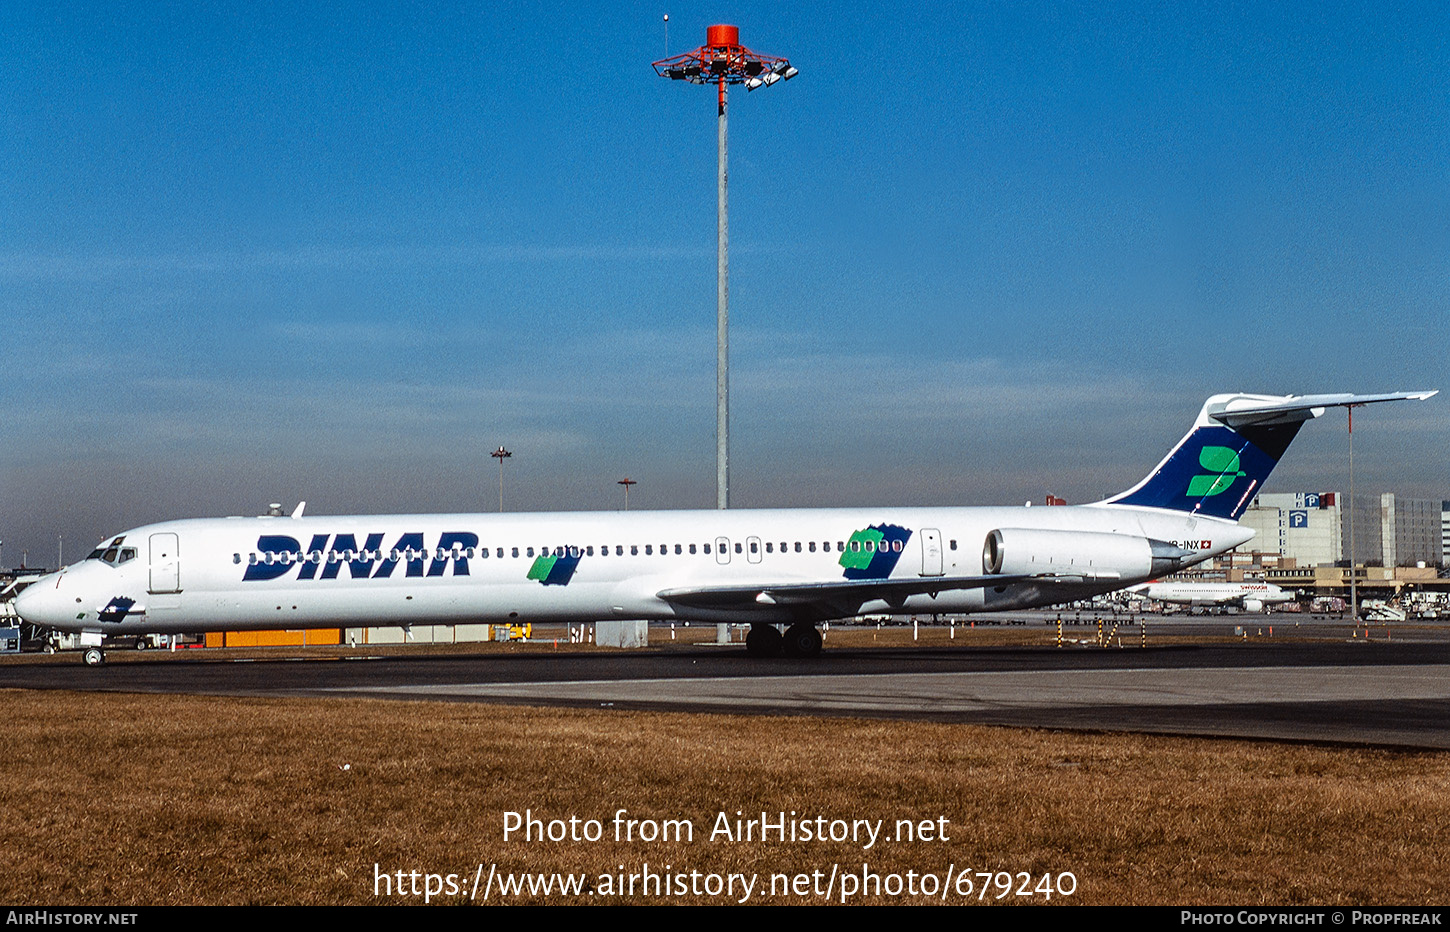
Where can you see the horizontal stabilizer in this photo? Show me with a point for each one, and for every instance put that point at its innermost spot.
(1244, 410)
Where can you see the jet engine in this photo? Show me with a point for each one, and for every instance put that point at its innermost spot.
(1088, 554)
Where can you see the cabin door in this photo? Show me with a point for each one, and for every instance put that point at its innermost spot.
(931, 557)
(165, 563)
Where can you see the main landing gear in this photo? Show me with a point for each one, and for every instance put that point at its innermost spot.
(799, 640)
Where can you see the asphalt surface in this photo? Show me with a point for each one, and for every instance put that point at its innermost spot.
(1378, 693)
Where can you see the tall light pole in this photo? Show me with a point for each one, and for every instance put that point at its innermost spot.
(723, 61)
(1353, 581)
(500, 454)
(626, 482)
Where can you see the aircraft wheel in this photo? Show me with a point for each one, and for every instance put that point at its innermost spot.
(763, 641)
(802, 641)
(94, 656)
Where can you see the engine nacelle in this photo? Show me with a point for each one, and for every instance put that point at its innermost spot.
(1089, 554)
(1253, 605)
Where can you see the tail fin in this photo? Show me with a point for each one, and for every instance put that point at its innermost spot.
(1235, 443)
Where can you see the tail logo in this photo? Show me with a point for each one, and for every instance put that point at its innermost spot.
(1223, 466)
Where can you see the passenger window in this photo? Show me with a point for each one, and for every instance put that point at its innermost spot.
(769, 547)
(692, 548)
(634, 550)
(812, 546)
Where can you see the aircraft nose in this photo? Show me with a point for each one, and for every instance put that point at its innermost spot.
(45, 602)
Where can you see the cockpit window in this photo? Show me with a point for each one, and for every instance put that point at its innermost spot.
(113, 553)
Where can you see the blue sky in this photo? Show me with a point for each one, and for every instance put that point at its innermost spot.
(980, 251)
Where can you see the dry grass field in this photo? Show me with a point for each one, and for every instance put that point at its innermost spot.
(113, 799)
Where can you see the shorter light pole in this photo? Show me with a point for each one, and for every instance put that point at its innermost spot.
(500, 454)
(626, 482)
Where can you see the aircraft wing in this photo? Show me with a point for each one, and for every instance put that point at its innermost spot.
(835, 597)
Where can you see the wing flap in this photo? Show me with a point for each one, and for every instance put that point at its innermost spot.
(835, 593)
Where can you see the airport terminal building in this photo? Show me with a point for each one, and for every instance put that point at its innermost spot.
(1311, 529)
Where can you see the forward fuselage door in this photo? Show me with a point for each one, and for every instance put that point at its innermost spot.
(931, 556)
(165, 563)
(722, 550)
(753, 552)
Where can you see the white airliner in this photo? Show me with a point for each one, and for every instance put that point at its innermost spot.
(1250, 596)
(767, 568)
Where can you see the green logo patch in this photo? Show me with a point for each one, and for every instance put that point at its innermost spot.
(1223, 463)
(859, 558)
(542, 567)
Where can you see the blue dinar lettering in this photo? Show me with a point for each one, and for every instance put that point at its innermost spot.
(407, 542)
(277, 545)
(309, 568)
(361, 566)
(451, 539)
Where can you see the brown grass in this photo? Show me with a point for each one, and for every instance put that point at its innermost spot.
(120, 799)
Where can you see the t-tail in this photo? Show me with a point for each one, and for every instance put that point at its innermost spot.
(1235, 443)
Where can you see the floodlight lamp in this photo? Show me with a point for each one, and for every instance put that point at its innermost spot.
(753, 83)
(790, 72)
(770, 78)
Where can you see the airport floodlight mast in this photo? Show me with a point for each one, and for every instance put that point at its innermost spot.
(723, 61)
(500, 454)
(626, 482)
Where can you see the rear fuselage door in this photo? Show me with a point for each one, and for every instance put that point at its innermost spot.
(165, 563)
(722, 550)
(931, 560)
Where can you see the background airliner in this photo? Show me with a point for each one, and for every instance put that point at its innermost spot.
(1250, 596)
(768, 568)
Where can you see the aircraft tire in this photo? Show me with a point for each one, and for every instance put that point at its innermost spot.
(763, 641)
(94, 656)
(802, 640)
